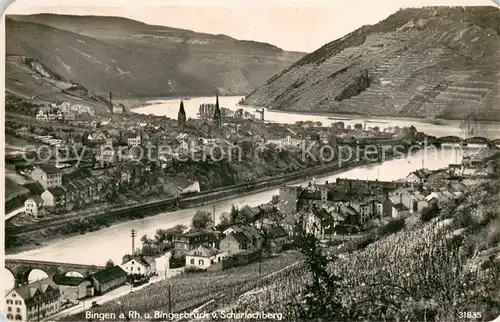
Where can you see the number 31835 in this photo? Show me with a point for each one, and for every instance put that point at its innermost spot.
(469, 315)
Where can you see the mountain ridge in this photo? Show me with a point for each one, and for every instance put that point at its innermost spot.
(435, 62)
(136, 60)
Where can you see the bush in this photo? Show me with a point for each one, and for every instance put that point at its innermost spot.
(194, 270)
(429, 213)
(393, 226)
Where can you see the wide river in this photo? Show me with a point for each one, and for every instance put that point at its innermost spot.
(113, 242)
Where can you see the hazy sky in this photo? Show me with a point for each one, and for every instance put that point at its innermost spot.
(291, 25)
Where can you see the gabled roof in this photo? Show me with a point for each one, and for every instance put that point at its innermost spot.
(56, 191)
(70, 186)
(34, 187)
(400, 207)
(109, 274)
(38, 200)
(203, 251)
(78, 184)
(68, 280)
(49, 168)
(277, 231)
(39, 287)
(144, 260)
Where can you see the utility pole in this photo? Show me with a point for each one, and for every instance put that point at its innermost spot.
(213, 214)
(169, 299)
(133, 234)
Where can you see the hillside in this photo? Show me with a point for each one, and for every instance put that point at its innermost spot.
(135, 60)
(437, 62)
(29, 80)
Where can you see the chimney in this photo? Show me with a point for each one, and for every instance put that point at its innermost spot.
(110, 103)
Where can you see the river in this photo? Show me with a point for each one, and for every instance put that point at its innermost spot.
(170, 108)
(115, 241)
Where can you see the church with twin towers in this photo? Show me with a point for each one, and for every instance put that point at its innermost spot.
(206, 111)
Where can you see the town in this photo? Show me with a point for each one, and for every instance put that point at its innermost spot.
(106, 166)
(347, 208)
(323, 167)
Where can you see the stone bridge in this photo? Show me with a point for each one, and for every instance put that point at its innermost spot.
(21, 268)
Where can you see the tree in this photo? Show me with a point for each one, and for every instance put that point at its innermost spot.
(321, 299)
(225, 221)
(318, 124)
(358, 126)
(146, 241)
(109, 263)
(233, 213)
(202, 219)
(160, 236)
(176, 230)
(275, 200)
(376, 129)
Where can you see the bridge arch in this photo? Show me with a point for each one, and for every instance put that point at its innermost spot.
(75, 273)
(477, 140)
(496, 141)
(21, 269)
(37, 274)
(8, 280)
(450, 139)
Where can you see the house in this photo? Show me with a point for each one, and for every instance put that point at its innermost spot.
(417, 176)
(134, 141)
(108, 279)
(413, 200)
(49, 113)
(204, 256)
(34, 206)
(399, 210)
(54, 198)
(33, 301)
(117, 109)
(69, 116)
(106, 157)
(90, 189)
(34, 187)
(48, 175)
(277, 237)
(73, 288)
(189, 241)
(235, 242)
(97, 138)
(139, 265)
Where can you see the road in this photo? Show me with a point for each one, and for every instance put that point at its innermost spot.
(85, 304)
(13, 213)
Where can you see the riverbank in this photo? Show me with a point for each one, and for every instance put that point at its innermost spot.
(353, 116)
(132, 104)
(31, 237)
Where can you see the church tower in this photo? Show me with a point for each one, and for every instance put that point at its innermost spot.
(217, 113)
(181, 117)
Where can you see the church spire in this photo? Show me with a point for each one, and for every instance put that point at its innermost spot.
(181, 117)
(217, 113)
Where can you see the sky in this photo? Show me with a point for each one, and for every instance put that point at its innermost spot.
(297, 25)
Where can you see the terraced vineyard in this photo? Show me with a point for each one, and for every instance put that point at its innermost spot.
(190, 291)
(430, 62)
